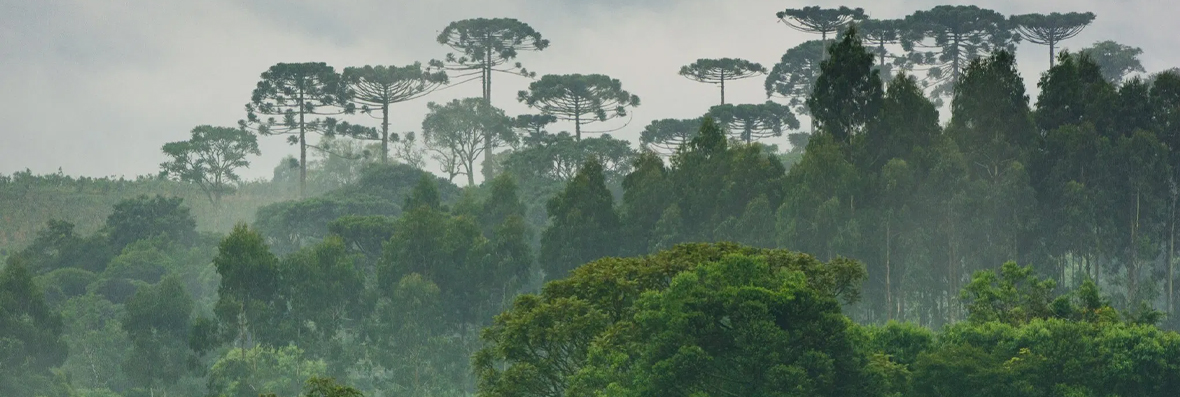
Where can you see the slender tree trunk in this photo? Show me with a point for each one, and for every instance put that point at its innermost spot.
(1052, 53)
(955, 63)
(1171, 258)
(888, 271)
(1133, 269)
(488, 164)
(385, 133)
(302, 150)
(577, 121)
(722, 87)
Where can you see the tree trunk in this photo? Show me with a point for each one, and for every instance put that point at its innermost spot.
(1171, 258)
(385, 133)
(722, 87)
(488, 165)
(577, 121)
(1052, 51)
(888, 271)
(1133, 269)
(302, 149)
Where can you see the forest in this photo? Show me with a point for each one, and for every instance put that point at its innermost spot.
(921, 226)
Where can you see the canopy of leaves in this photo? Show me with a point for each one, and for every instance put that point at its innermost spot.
(582, 99)
(211, 158)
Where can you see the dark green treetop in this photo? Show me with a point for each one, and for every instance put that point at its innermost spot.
(1051, 29)
(718, 71)
(211, 158)
(375, 88)
(582, 99)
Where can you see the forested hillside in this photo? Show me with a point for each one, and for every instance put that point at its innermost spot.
(1016, 246)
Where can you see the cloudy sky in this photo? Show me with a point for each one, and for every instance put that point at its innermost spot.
(96, 87)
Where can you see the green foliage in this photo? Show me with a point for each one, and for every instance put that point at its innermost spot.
(732, 327)
(157, 321)
(1051, 29)
(292, 92)
(585, 225)
(262, 370)
(542, 341)
(210, 158)
(824, 21)
(30, 333)
(668, 135)
(848, 91)
(794, 76)
(461, 131)
(959, 35)
(486, 45)
(582, 99)
(328, 387)
(249, 286)
(144, 217)
(1116, 60)
(718, 71)
(375, 88)
(748, 122)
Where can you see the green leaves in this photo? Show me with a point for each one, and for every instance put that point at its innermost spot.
(749, 122)
(461, 131)
(1051, 29)
(793, 77)
(583, 99)
(848, 92)
(210, 158)
(961, 34)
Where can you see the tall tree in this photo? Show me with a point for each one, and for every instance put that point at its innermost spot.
(210, 158)
(1051, 29)
(793, 77)
(1116, 60)
(249, 286)
(462, 127)
(823, 21)
(582, 99)
(157, 321)
(531, 128)
(749, 122)
(376, 88)
(718, 71)
(584, 224)
(30, 332)
(848, 92)
(881, 33)
(959, 34)
(485, 46)
(990, 115)
(668, 135)
(294, 92)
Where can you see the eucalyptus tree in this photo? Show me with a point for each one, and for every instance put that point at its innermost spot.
(291, 93)
(668, 135)
(461, 128)
(749, 122)
(718, 71)
(375, 88)
(582, 99)
(531, 127)
(824, 21)
(1116, 60)
(211, 158)
(1051, 29)
(794, 75)
(486, 46)
(848, 94)
(958, 35)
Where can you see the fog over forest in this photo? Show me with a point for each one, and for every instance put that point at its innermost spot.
(589, 199)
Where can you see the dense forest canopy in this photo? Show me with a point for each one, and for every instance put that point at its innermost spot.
(930, 228)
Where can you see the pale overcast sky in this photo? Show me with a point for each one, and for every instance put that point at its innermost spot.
(95, 87)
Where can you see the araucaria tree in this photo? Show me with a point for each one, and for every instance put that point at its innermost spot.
(794, 75)
(375, 88)
(959, 35)
(668, 135)
(293, 94)
(582, 99)
(823, 21)
(1051, 29)
(749, 122)
(459, 129)
(718, 71)
(210, 158)
(487, 45)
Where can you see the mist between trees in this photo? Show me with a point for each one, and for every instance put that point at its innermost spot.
(1017, 250)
